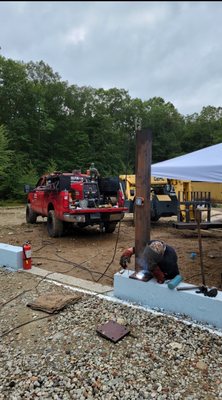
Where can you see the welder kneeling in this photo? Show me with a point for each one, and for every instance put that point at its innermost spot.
(158, 259)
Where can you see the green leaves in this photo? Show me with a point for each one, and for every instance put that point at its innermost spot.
(202, 130)
(47, 124)
(5, 153)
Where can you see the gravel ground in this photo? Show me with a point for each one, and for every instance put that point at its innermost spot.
(62, 356)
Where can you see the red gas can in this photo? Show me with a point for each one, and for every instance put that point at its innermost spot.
(27, 256)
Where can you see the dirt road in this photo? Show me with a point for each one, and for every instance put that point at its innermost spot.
(87, 253)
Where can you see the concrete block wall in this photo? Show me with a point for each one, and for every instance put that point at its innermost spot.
(154, 295)
(11, 256)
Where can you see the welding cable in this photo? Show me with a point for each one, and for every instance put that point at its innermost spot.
(63, 272)
(15, 297)
(75, 265)
(78, 264)
(41, 280)
(65, 262)
(24, 323)
(199, 274)
(104, 273)
(114, 253)
(24, 291)
(34, 287)
(118, 232)
(88, 270)
(44, 244)
(45, 316)
(50, 273)
(193, 276)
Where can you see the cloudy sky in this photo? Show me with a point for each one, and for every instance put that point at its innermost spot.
(167, 49)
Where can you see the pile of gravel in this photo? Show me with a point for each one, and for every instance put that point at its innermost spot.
(62, 356)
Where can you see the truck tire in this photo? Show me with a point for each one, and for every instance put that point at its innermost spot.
(31, 215)
(155, 218)
(54, 225)
(110, 227)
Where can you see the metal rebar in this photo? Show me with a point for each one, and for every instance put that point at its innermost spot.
(188, 288)
(198, 219)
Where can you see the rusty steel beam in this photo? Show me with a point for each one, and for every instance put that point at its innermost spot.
(142, 201)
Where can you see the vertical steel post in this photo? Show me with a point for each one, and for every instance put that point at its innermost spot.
(198, 221)
(142, 201)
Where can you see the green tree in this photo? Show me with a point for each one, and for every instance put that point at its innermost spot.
(167, 127)
(53, 125)
(28, 176)
(19, 172)
(16, 100)
(5, 157)
(52, 166)
(202, 130)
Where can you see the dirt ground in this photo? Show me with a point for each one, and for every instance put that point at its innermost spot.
(91, 255)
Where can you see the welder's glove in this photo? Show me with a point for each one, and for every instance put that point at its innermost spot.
(158, 274)
(126, 256)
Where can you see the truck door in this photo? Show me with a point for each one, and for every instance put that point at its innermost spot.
(37, 196)
(48, 195)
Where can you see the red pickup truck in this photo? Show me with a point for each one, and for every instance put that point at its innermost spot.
(75, 198)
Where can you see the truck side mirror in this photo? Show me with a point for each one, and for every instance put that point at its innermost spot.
(132, 192)
(27, 188)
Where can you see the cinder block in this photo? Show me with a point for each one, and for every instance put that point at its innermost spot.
(11, 256)
(154, 295)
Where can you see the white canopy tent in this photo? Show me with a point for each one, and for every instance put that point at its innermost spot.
(202, 165)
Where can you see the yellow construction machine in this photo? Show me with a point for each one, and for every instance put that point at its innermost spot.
(215, 190)
(175, 197)
(186, 207)
(192, 195)
(163, 198)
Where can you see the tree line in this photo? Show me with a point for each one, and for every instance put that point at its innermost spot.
(47, 124)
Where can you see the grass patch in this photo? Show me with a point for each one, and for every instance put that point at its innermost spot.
(11, 203)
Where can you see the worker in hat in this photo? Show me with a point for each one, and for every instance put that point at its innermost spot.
(93, 171)
(157, 259)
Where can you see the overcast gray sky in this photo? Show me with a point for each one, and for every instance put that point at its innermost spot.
(167, 49)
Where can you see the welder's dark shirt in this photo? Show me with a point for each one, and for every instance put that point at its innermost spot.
(168, 262)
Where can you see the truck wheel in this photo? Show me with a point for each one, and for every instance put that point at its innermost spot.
(155, 218)
(110, 227)
(31, 215)
(54, 225)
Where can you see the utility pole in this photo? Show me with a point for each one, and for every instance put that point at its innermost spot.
(142, 201)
